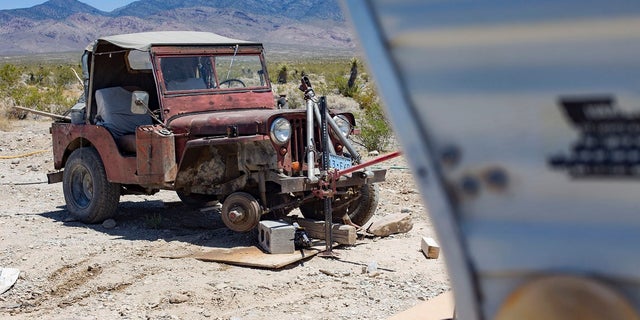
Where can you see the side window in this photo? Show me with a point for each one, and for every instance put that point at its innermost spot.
(139, 60)
(239, 71)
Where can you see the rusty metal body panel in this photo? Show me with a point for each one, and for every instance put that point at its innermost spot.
(155, 153)
(68, 137)
(177, 105)
(216, 123)
(119, 168)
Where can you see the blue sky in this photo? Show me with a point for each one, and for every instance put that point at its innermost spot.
(104, 5)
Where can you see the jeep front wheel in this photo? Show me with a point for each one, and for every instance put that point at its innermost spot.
(241, 212)
(360, 207)
(90, 197)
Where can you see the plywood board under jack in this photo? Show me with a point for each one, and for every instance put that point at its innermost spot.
(254, 257)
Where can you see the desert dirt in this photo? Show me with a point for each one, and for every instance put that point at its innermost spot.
(71, 270)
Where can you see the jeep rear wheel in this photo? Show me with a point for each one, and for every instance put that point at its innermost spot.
(360, 208)
(90, 197)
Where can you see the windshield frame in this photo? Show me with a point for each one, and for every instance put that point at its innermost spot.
(211, 53)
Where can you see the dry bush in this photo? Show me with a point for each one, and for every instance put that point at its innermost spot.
(5, 123)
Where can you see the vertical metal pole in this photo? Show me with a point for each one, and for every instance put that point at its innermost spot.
(316, 111)
(310, 144)
(328, 219)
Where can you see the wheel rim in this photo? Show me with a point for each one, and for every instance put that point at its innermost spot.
(240, 213)
(81, 187)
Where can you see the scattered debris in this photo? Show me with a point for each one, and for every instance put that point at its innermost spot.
(372, 267)
(301, 238)
(8, 277)
(329, 273)
(430, 248)
(178, 298)
(396, 223)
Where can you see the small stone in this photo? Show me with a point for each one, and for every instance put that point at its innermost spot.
(178, 298)
(374, 153)
(109, 224)
(405, 210)
(16, 161)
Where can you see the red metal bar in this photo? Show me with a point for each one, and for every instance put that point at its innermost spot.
(371, 162)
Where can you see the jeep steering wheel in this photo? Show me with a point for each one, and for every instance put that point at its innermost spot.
(229, 82)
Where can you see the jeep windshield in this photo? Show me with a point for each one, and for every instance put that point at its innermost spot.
(212, 72)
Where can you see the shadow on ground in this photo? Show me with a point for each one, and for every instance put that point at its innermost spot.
(170, 221)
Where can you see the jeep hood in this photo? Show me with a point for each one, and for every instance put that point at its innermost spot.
(219, 123)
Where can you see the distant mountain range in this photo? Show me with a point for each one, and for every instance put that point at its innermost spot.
(284, 25)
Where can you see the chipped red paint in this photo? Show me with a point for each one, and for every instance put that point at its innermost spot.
(177, 105)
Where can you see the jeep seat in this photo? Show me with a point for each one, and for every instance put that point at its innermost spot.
(114, 113)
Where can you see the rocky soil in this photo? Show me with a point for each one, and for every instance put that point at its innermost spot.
(70, 270)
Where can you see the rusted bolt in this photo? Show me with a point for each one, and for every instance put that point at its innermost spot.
(235, 215)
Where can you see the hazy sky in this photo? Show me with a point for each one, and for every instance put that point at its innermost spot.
(104, 5)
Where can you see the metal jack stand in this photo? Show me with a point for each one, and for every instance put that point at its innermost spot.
(326, 185)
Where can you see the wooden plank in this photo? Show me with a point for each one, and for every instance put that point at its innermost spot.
(430, 248)
(254, 257)
(437, 308)
(341, 233)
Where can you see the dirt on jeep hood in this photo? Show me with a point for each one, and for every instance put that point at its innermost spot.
(245, 122)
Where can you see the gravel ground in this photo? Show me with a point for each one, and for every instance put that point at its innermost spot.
(70, 270)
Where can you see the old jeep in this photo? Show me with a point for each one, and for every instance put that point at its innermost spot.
(194, 112)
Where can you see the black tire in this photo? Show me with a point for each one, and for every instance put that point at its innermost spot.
(360, 208)
(90, 197)
(196, 201)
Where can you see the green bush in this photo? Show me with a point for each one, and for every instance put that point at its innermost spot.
(375, 131)
(9, 77)
(40, 86)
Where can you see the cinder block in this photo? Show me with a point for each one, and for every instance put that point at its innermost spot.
(276, 236)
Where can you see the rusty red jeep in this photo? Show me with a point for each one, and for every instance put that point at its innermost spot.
(194, 112)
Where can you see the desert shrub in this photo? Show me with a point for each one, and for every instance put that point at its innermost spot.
(375, 131)
(41, 86)
(331, 78)
(9, 77)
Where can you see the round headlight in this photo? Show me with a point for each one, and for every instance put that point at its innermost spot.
(343, 124)
(280, 130)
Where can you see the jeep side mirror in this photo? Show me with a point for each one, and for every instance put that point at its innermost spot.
(139, 102)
